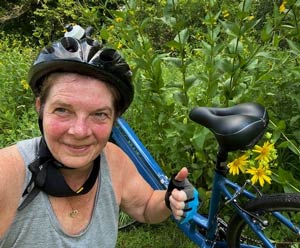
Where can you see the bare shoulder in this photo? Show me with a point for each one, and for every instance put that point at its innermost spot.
(112, 151)
(11, 164)
(118, 159)
(12, 173)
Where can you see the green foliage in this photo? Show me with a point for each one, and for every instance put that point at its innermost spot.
(16, 109)
(52, 17)
(15, 17)
(232, 56)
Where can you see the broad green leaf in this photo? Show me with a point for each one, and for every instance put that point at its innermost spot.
(223, 65)
(212, 2)
(206, 48)
(235, 46)
(104, 34)
(248, 26)
(295, 47)
(179, 97)
(189, 81)
(173, 44)
(182, 37)
(253, 64)
(145, 23)
(245, 5)
(267, 55)
(231, 28)
(169, 20)
(215, 33)
(283, 144)
(297, 3)
(281, 125)
(295, 119)
(292, 146)
(199, 139)
(266, 33)
(175, 61)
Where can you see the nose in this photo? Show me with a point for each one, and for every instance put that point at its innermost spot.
(80, 128)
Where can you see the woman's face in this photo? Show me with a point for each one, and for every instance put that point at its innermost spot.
(78, 116)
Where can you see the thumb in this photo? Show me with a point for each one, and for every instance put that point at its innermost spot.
(182, 174)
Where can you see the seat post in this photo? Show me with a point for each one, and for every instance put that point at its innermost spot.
(222, 156)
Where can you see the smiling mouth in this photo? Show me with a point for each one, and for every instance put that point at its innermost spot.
(78, 148)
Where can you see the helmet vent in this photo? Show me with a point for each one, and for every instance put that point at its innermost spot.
(93, 43)
(92, 49)
(109, 55)
(70, 44)
(48, 50)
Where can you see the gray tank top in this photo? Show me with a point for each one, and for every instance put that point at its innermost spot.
(36, 225)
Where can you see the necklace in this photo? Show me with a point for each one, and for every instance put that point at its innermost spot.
(75, 211)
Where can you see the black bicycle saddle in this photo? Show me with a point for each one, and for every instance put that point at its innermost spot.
(236, 128)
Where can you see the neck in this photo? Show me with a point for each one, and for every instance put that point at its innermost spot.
(75, 178)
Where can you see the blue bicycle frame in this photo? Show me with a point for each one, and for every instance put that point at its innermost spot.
(125, 138)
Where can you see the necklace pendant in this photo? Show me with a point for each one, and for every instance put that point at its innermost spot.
(73, 213)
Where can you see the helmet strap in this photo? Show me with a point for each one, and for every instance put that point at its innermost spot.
(47, 177)
(40, 122)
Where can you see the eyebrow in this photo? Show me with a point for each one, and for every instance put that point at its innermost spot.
(67, 105)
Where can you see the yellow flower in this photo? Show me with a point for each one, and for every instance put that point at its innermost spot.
(225, 13)
(250, 18)
(119, 46)
(239, 164)
(282, 7)
(267, 152)
(119, 19)
(260, 174)
(25, 84)
(111, 27)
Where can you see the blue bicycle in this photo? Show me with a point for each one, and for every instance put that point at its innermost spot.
(257, 218)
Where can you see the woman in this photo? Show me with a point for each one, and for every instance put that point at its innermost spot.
(65, 188)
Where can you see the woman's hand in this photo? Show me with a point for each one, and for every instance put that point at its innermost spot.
(182, 197)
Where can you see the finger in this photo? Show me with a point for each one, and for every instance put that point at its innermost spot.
(178, 205)
(179, 195)
(182, 174)
(178, 214)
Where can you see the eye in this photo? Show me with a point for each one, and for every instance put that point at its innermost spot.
(101, 116)
(60, 111)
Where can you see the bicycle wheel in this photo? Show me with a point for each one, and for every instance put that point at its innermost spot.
(125, 221)
(280, 235)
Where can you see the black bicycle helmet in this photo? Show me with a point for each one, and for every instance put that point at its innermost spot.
(85, 56)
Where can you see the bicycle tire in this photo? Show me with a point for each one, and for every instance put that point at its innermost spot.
(126, 222)
(287, 203)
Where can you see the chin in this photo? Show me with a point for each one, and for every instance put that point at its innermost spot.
(77, 162)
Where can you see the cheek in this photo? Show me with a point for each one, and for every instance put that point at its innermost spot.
(102, 132)
(54, 128)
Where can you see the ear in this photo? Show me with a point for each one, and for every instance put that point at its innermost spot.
(38, 104)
